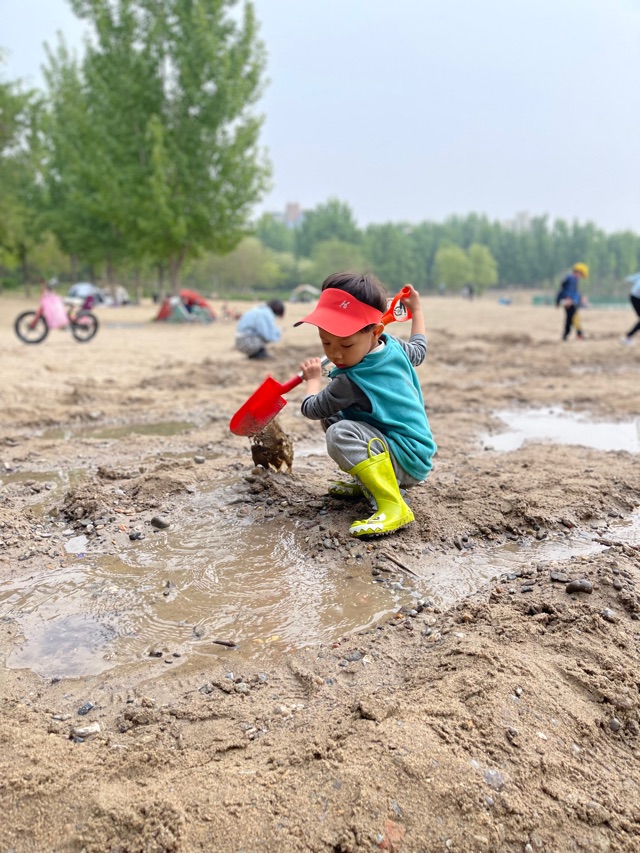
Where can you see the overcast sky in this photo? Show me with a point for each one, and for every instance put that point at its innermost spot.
(417, 109)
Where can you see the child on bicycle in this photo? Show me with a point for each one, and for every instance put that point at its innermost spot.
(373, 411)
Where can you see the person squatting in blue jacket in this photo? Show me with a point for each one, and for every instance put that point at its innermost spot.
(258, 327)
(373, 411)
(570, 299)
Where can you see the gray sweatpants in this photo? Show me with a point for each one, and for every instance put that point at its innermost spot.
(347, 445)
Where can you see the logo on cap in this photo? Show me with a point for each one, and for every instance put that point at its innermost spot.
(344, 304)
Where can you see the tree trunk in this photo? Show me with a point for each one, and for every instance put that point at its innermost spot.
(26, 275)
(138, 287)
(110, 273)
(160, 282)
(175, 265)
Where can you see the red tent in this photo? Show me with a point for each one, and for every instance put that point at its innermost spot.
(191, 297)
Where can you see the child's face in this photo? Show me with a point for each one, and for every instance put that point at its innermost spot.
(346, 352)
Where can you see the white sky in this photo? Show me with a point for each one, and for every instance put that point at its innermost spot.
(416, 109)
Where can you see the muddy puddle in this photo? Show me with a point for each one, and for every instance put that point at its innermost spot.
(555, 425)
(250, 587)
(163, 428)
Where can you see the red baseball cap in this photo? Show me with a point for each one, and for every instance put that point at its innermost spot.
(339, 313)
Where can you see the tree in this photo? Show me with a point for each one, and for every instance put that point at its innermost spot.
(335, 256)
(20, 223)
(333, 220)
(389, 249)
(249, 267)
(483, 270)
(274, 234)
(452, 267)
(167, 155)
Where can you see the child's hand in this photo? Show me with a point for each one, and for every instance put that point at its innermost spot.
(311, 369)
(412, 301)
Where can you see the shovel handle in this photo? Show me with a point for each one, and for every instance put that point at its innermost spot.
(389, 314)
(297, 379)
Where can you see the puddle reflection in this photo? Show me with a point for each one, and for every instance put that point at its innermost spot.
(560, 427)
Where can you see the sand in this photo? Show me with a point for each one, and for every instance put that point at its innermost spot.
(505, 719)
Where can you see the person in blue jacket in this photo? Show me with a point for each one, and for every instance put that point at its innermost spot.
(376, 425)
(258, 327)
(569, 297)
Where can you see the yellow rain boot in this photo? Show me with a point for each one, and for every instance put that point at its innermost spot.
(378, 477)
(345, 489)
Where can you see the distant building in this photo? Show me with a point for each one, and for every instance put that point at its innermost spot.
(292, 217)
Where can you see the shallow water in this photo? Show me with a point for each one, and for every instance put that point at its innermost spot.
(214, 578)
(560, 427)
(117, 432)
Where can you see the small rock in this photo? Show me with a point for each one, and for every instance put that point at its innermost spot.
(559, 577)
(86, 731)
(614, 724)
(159, 522)
(84, 709)
(199, 460)
(609, 615)
(581, 585)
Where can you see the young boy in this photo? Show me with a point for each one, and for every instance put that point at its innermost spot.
(376, 425)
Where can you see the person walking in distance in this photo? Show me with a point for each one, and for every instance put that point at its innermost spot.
(569, 297)
(634, 297)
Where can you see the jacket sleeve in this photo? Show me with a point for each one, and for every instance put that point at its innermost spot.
(339, 394)
(415, 348)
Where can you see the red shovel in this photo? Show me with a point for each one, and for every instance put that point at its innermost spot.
(265, 403)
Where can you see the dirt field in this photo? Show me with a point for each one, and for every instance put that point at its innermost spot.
(509, 721)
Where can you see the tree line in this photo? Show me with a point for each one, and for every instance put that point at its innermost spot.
(141, 163)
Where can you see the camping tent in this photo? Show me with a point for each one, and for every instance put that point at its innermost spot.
(304, 293)
(188, 307)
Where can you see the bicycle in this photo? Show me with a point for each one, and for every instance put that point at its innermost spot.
(32, 327)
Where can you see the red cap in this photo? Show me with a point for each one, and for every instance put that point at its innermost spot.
(339, 313)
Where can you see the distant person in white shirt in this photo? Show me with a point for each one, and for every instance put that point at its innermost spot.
(634, 296)
(258, 327)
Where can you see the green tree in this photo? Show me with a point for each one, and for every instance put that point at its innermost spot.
(274, 234)
(248, 268)
(483, 270)
(333, 220)
(161, 142)
(452, 267)
(389, 249)
(335, 256)
(20, 221)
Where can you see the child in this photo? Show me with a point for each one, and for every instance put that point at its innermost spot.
(376, 425)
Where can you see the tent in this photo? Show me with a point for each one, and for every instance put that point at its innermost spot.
(188, 307)
(304, 293)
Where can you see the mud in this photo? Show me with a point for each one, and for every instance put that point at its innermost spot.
(503, 719)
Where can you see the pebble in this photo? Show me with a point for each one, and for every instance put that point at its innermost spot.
(617, 584)
(581, 585)
(199, 460)
(136, 534)
(559, 577)
(86, 731)
(614, 724)
(84, 709)
(159, 522)
(609, 615)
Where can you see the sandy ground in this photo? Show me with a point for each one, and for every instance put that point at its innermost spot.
(507, 722)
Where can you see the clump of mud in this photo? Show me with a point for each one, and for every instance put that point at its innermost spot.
(272, 447)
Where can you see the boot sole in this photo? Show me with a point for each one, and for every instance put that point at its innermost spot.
(403, 522)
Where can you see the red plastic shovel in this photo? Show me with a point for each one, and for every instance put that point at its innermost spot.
(265, 403)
